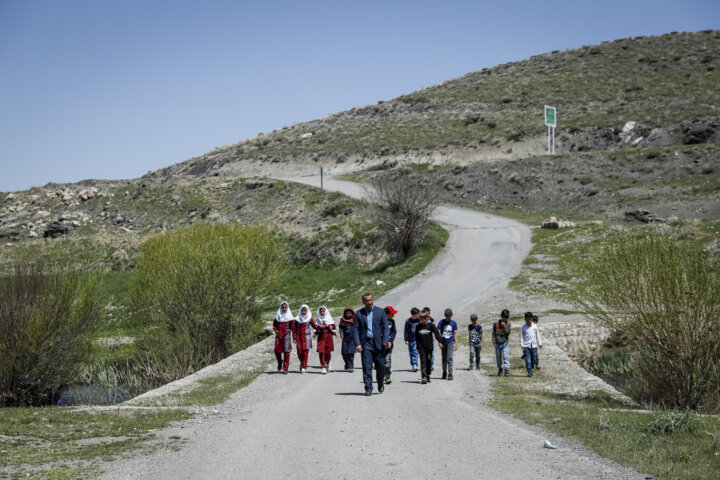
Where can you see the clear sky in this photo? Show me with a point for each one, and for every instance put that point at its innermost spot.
(115, 88)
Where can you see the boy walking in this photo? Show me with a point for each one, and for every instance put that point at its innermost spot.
(448, 344)
(475, 333)
(425, 332)
(530, 342)
(390, 314)
(500, 337)
(410, 339)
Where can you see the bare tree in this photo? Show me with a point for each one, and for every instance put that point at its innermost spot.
(404, 205)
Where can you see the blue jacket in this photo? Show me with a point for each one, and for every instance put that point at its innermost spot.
(381, 329)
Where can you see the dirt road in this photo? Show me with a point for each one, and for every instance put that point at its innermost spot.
(322, 426)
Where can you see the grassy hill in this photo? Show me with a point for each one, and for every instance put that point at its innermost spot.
(667, 84)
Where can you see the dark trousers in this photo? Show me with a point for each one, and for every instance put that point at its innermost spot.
(369, 356)
(388, 362)
(425, 361)
(349, 360)
(285, 362)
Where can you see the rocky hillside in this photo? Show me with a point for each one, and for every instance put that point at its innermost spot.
(97, 225)
(631, 93)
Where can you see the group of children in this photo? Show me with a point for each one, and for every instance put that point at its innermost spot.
(420, 333)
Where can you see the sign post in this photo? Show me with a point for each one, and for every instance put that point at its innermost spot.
(322, 189)
(551, 122)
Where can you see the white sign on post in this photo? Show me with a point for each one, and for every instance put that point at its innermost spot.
(551, 122)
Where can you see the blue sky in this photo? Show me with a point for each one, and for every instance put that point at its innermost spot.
(113, 89)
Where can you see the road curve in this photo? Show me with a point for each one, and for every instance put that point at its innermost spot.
(323, 427)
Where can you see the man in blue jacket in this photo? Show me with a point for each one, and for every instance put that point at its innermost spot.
(372, 334)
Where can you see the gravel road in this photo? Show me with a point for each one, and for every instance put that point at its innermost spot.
(322, 426)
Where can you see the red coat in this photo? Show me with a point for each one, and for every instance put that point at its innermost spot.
(283, 330)
(325, 339)
(302, 334)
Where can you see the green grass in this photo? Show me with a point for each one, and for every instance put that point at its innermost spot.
(567, 250)
(210, 391)
(37, 436)
(337, 285)
(608, 428)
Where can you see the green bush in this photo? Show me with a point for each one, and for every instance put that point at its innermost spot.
(197, 293)
(46, 321)
(662, 295)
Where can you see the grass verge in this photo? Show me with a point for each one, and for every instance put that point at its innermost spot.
(32, 438)
(665, 444)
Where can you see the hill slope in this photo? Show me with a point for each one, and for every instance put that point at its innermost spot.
(667, 85)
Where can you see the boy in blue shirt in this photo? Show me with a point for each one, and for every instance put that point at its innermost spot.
(475, 333)
(448, 331)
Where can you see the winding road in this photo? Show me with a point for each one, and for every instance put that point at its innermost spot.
(323, 427)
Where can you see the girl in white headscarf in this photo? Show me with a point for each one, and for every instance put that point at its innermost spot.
(283, 326)
(302, 334)
(325, 326)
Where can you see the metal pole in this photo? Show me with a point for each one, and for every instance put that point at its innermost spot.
(549, 127)
(322, 189)
(553, 140)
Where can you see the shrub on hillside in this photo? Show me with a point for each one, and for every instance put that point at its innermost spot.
(662, 294)
(197, 291)
(404, 205)
(46, 320)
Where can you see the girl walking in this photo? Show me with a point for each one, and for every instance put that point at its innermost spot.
(325, 327)
(302, 334)
(282, 326)
(347, 333)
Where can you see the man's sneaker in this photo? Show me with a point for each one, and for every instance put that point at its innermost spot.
(388, 381)
(470, 367)
(529, 374)
(279, 366)
(537, 367)
(329, 366)
(414, 368)
(423, 381)
(323, 371)
(284, 372)
(477, 367)
(351, 370)
(507, 373)
(368, 393)
(302, 371)
(500, 372)
(428, 379)
(444, 376)
(450, 377)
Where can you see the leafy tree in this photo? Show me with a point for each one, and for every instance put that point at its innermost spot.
(46, 323)
(197, 292)
(662, 295)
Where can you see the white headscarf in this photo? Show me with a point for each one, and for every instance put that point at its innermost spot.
(281, 316)
(327, 318)
(303, 318)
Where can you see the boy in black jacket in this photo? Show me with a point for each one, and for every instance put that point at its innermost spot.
(424, 333)
(390, 314)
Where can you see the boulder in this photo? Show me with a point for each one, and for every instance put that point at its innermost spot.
(55, 230)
